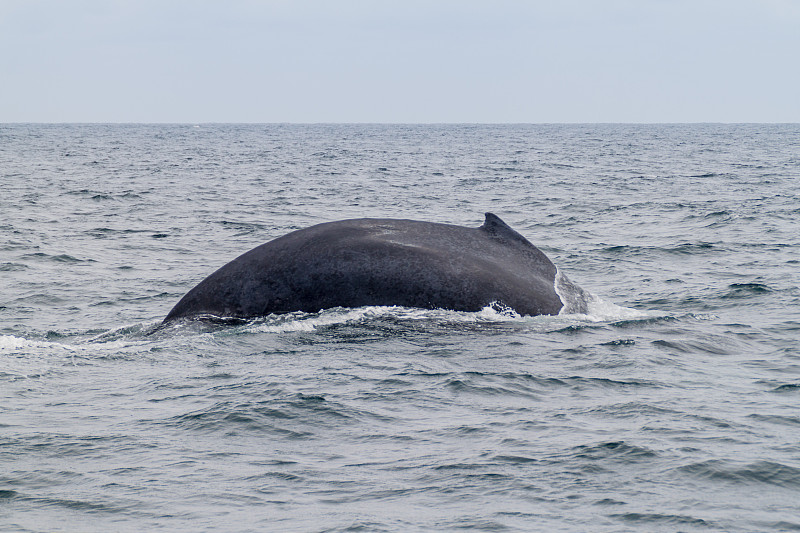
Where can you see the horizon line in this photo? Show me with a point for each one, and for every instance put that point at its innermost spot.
(357, 123)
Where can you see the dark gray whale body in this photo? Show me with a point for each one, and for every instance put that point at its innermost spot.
(354, 263)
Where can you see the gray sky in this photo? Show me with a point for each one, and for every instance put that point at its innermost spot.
(400, 61)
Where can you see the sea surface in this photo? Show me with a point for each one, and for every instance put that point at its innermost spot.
(673, 405)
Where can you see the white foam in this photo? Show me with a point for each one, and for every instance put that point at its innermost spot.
(599, 310)
(494, 312)
(580, 304)
(23, 358)
(573, 299)
(10, 343)
(303, 322)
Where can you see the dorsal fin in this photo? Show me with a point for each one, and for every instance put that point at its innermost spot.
(495, 227)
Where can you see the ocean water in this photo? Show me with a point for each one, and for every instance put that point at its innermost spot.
(673, 405)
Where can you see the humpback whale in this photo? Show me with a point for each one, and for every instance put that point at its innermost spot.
(384, 262)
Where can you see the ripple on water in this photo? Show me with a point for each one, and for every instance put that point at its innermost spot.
(661, 520)
(739, 473)
(614, 451)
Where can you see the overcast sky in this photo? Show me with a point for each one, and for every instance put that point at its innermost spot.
(400, 61)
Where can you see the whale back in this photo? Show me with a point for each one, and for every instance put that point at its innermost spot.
(359, 262)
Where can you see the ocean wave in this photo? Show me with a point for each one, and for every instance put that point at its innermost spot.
(745, 290)
(293, 416)
(58, 258)
(793, 421)
(613, 450)
(687, 248)
(12, 267)
(787, 387)
(759, 472)
(714, 346)
(661, 519)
